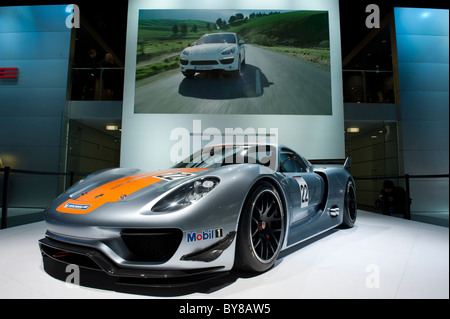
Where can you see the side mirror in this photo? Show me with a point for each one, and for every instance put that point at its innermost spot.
(241, 42)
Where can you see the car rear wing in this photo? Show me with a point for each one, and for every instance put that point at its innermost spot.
(347, 162)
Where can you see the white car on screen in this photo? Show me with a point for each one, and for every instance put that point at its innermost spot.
(214, 51)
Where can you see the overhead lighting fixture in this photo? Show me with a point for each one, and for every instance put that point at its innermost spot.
(112, 127)
(353, 129)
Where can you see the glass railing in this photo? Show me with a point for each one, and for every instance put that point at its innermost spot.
(97, 84)
(42, 187)
(425, 197)
(24, 194)
(368, 86)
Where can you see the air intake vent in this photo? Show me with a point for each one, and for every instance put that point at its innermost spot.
(152, 245)
(206, 62)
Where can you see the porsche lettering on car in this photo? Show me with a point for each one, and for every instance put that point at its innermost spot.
(225, 207)
(215, 51)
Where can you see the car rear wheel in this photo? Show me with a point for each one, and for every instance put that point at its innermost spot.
(261, 230)
(350, 210)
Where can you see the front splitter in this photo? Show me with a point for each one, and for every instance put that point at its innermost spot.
(97, 271)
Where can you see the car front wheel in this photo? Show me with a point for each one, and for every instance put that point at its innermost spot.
(261, 230)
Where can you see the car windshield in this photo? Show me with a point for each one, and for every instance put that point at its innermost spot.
(217, 38)
(212, 157)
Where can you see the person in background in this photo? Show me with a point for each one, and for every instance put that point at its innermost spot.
(392, 199)
(90, 74)
(109, 77)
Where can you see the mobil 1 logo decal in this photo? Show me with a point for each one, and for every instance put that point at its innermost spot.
(304, 191)
(204, 235)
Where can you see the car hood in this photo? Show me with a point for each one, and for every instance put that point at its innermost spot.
(102, 189)
(210, 48)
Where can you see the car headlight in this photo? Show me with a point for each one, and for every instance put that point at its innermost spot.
(229, 51)
(186, 195)
(185, 52)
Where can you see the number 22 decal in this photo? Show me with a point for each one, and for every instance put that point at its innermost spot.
(304, 191)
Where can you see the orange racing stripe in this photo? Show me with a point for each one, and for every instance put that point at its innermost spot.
(115, 190)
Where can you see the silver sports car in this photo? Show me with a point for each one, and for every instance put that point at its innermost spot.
(225, 207)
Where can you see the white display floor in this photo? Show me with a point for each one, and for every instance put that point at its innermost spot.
(381, 257)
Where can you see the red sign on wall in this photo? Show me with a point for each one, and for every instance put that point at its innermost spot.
(9, 73)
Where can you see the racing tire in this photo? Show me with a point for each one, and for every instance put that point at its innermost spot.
(261, 230)
(350, 210)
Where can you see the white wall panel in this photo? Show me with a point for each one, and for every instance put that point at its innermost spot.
(423, 59)
(34, 45)
(33, 19)
(40, 73)
(421, 21)
(32, 101)
(423, 48)
(423, 76)
(418, 105)
(35, 40)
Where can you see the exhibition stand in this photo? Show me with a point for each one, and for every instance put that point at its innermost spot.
(381, 257)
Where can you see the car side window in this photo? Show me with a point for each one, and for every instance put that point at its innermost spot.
(290, 162)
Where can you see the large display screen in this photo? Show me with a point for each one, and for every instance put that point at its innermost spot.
(206, 72)
(233, 62)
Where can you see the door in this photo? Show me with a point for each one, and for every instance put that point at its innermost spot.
(305, 186)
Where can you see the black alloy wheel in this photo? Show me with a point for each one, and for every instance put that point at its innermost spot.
(350, 209)
(261, 230)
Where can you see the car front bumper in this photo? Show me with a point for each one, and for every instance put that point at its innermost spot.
(97, 268)
(209, 63)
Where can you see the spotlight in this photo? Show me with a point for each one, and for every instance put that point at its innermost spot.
(112, 127)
